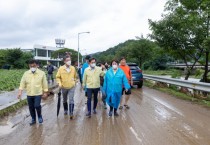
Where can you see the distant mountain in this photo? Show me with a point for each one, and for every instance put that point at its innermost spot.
(111, 53)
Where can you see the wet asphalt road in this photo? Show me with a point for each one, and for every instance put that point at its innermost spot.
(153, 119)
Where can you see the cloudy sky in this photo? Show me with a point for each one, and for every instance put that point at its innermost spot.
(24, 23)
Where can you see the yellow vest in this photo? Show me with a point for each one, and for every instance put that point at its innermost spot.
(91, 78)
(34, 83)
(66, 79)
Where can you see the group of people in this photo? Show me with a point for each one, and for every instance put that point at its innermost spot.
(112, 82)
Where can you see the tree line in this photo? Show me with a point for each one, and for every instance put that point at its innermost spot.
(14, 58)
(146, 53)
(181, 34)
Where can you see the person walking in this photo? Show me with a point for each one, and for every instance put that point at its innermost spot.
(128, 74)
(80, 74)
(84, 66)
(113, 82)
(50, 69)
(35, 83)
(101, 92)
(91, 80)
(66, 77)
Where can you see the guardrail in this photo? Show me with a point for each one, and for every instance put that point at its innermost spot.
(205, 87)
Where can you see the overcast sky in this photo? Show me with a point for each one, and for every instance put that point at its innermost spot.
(24, 23)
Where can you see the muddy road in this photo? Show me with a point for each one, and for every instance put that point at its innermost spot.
(153, 119)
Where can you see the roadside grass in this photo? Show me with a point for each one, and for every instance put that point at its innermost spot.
(9, 81)
(12, 108)
(172, 91)
(175, 73)
(163, 72)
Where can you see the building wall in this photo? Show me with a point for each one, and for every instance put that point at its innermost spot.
(44, 53)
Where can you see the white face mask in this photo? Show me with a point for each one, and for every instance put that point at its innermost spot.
(33, 69)
(68, 63)
(114, 66)
(92, 65)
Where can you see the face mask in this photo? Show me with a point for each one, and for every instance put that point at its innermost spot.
(33, 69)
(68, 63)
(114, 66)
(92, 65)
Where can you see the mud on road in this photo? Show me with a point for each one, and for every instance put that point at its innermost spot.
(153, 119)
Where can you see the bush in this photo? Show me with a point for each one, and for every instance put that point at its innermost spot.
(15, 58)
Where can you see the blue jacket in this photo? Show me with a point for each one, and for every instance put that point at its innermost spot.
(84, 66)
(113, 84)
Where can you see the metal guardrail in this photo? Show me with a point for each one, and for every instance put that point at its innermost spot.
(205, 87)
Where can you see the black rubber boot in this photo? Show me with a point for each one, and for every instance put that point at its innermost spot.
(115, 112)
(65, 106)
(71, 110)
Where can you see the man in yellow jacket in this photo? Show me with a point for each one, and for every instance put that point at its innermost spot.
(91, 80)
(35, 83)
(66, 77)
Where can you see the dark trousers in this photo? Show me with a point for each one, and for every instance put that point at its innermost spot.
(34, 103)
(111, 109)
(50, 76)
(93, 92)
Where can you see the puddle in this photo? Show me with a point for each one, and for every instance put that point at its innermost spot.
(7, 128)
(9, 97)
(135, 134)
(162, 102)
(9, 123)
(162, 113)
(189, 130)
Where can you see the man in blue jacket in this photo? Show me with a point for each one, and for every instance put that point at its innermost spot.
(84, 66)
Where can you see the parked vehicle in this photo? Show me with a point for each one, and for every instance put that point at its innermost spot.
(136, 74)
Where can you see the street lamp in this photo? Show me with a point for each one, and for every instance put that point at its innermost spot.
(78, 44)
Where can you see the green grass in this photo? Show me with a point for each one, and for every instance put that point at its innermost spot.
(172, 91)
(10, 79)
(171, 72)
(175, 73)
(12, 108)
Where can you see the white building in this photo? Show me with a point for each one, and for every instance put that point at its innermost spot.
(44, 53)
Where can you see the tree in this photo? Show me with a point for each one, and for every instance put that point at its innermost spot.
(15, 58)
(137, 51)
(181, 32)
(3, 54)
(158, 60)
(25, 58)
(141, 50)
(62, 52)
